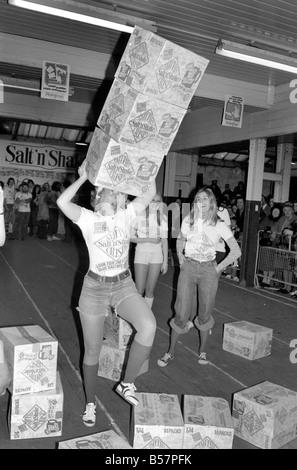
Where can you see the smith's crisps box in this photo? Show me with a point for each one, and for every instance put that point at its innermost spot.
(158, 422)
(135, 119)
(117, 332)
(265, 415)
(32, 358)
(36, 415)
(113, 360)
(120, 167)
(160, 68)
(208, 423)
(247, 339)
(101, 440)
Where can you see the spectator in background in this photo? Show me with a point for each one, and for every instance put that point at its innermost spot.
(22, 200)
(222, 249)
(9, 200)
(43, 211)
(53, 220)
(239, 214)
(227, 193)
(265, 208)
(240, 190)
(33, 224)
(215, 189)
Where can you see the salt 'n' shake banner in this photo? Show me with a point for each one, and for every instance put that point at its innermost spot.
(40, 163)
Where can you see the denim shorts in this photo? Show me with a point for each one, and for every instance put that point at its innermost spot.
(97, 297)
(193, 275)
(149, 253)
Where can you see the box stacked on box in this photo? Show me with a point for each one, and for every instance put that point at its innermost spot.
(101, 440)
(208, 423)
(35, 415)
(158, 422)
(36, 406)
(247, 339)
(160, 68)
(32, 358)
(149, 97)
(265, 415)
(113, 360)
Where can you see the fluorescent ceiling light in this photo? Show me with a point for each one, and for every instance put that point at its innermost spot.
(256, 56)
(86, 13)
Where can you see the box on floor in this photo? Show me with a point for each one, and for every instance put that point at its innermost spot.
(157, 422)
(36, 415)
(112, 362)
(100, 440)
(265, 415)
(247, 339)
(208, 423)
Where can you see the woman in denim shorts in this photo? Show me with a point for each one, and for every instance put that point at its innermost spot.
(196, 249)
(151, 254)
(108, 283)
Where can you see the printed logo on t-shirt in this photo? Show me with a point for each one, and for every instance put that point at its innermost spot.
(114, 244)
(202, 244)
(100, 227)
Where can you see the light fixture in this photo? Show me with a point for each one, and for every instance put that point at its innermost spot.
(256, 56)
(86, 13)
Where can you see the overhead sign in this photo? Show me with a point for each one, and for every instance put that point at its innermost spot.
(233, 111)
(55, 81)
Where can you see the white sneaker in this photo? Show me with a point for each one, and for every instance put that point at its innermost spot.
(49, 238)
(56, 238)
(127, 391)
(202, 358)
(165, 360)
(89, 416)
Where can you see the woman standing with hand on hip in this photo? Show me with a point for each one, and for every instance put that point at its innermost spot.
(196, 249)
(151, 255)
(108, 283)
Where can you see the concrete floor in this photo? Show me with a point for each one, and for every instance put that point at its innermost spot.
(40, 284)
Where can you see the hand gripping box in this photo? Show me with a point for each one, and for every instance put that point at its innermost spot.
(36, 415)
(265, 415)
(117, 332)
(101, 440)
(136, 119)
(247, 339)
(158, 422)
(120, 167)
(160, 68)
(208, 423)
(112, 362)
(31, 354)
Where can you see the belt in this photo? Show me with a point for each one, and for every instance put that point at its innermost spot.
(200, 262)
(116, 278)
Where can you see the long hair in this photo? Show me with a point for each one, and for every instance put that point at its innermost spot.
(211, 217)
(160, 213)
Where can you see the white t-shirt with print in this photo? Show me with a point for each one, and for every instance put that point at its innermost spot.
(107, 239)
(149, 228)
(202, 238)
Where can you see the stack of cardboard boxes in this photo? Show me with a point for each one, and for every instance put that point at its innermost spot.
(113, 357)
(36, 407)
(153, 86)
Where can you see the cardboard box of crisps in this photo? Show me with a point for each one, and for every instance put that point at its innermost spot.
(120, 167)
(117, 332)
(100, 440)
(265, 415)
(136, 119)
(160, 68)
(157, 422)
(36, 415)
(208, 423)
(247, 339)
(31, 354)
(113, 360)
